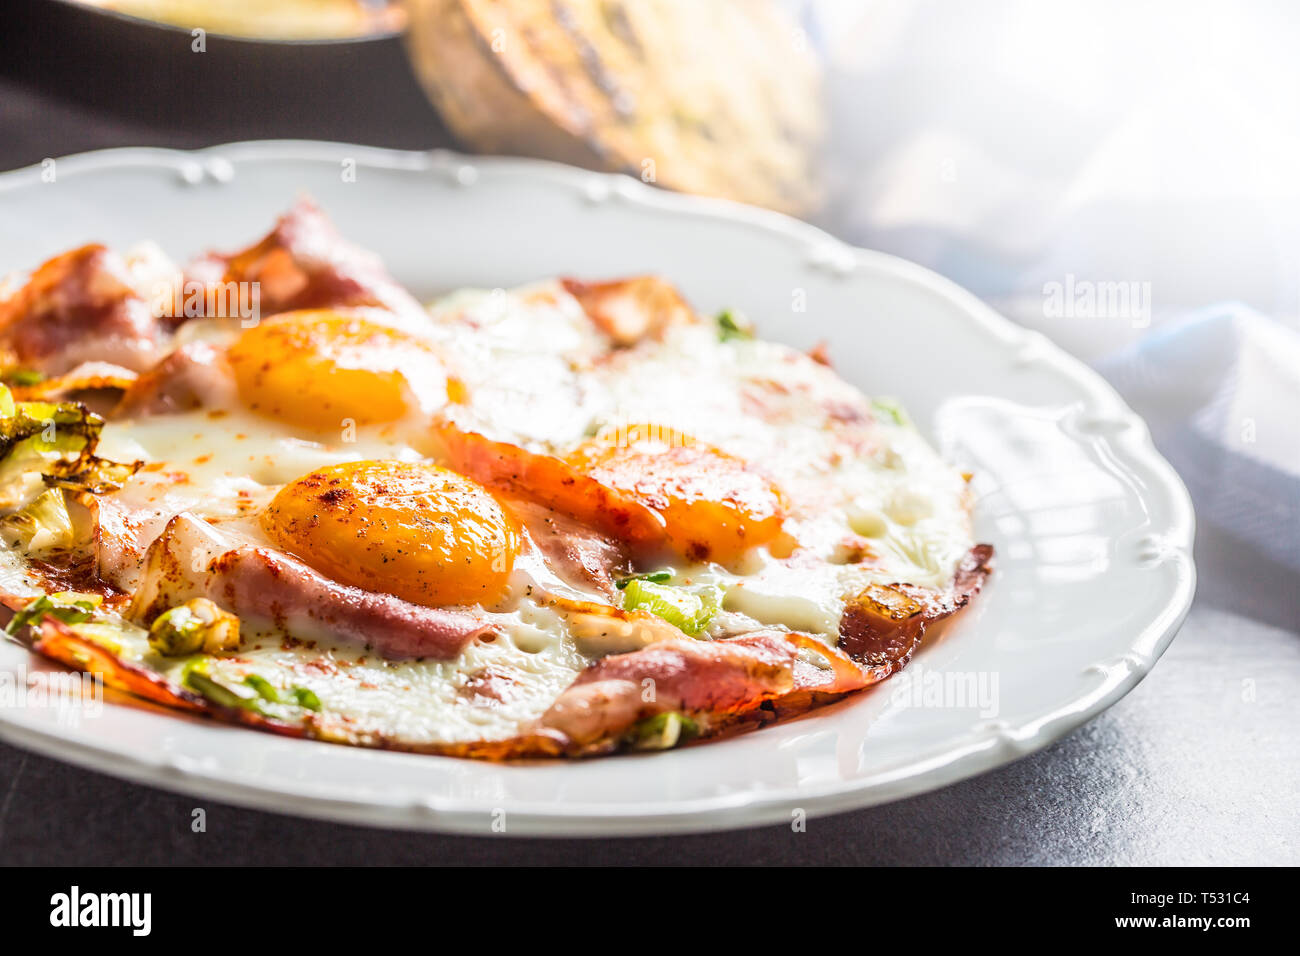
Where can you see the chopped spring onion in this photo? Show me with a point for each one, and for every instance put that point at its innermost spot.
(265, 689)
(655, 577)
(732, 326)
(238, 696)
(109, 634)
(663, 731)
(256, 693)
(53, 443)
(59, 426)
(306, 698)
(42, 526)
(688, 611)
(299, 696)
(70, 607)
(24, 376)
(890, 409)
(97, 477)
(197, 625)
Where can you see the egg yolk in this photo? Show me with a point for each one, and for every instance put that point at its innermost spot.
(323, 369)
(715, 508)
(418, 531)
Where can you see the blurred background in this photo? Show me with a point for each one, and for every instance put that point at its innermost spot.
(1121, 175)
(1005, 143)
(1118, 174)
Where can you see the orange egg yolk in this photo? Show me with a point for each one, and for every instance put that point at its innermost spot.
(715, 508)
(418, 531)
(323, 370)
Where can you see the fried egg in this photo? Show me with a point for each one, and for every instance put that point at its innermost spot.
(414, 530)
(323, 369)
(714, 506)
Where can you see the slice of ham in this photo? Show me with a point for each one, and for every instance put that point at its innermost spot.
(80, 307)
(579, 555)
(629, 310)
(196, 375)
(884, 624)
(716, 679)
(193, 559)
(120, 538)
(303, 263)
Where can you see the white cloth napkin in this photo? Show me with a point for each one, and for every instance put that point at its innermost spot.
(1221, 392)
(1020, 147)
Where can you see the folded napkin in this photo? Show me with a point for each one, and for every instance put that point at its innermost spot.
(1221, 392)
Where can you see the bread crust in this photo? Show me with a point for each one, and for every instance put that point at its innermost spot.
(715, 99)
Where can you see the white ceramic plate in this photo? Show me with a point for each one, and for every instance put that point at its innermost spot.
(1093, 530)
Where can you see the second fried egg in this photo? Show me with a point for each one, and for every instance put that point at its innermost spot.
(324, 369)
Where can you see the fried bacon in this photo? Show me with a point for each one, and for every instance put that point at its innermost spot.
(79, 307)
(884, 624)
(629, 310)
(753, 678)
(717, 679)
(303, 263)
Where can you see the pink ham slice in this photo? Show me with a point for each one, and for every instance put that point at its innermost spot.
(581, 556)
(714, 678)
(192, 559)
(194, 376)
(78, 307)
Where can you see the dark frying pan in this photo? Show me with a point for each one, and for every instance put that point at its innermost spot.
(76, 77)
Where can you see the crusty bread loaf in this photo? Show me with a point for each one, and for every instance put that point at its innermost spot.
(717, 97)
